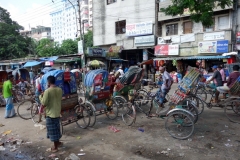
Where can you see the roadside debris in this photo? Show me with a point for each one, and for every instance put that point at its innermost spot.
(72, 156)
(114, 129)
(1, 125)
(141, 129)
(6, 132)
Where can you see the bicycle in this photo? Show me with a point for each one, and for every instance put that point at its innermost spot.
(181, 119)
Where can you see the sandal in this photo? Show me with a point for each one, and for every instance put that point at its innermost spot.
(52, 150)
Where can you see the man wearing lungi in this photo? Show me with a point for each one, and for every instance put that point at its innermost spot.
(7, 94)
(51, 99)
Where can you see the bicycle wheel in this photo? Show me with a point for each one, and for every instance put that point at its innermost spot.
(19, 97)
(2, 101)
(35, 113)
(112, 111)
(24, 109)
(91, 111)
(143, 95)
(202, 93)
(83, 116)
(121, 102)
(192, 108)
(179, 124)
(198, 102)
(130, 117)
(232, 111)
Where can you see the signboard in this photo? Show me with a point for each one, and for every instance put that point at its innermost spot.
(138, 29)
(213, 46)
(97, 52)
(145, 55)
(213, 36)
(144, 41)
(238, 37)
(49, 63)
(80, 47)
(166, 50)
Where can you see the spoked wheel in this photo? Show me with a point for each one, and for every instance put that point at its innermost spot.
(232, 111)
(24, 109)
(19, 97)
(198, 102)
(201, 93)
(130, 117)
(112, 110)
(121, 102)
(179, 124)
(142, 100)
(83, 116)
(90, 108)
(35, 113)
(192, 108)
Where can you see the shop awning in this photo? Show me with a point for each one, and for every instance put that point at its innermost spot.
(193, 57)
(53, 58)
(32, 63)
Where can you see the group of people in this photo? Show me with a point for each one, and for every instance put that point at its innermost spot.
(219, 78)
(50, 99)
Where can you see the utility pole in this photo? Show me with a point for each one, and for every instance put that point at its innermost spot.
(156, 17)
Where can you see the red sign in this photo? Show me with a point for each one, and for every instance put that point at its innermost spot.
(238, 37)
(165, 50)
(49, 63)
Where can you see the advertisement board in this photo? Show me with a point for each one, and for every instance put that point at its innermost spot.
(213, 46)
(144, 41)
(213, 36)
(166, 50)
(137, 29)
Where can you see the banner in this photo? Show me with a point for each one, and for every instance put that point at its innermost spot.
(165, 50)
(213, 46)
(138, 29)
(238, 37)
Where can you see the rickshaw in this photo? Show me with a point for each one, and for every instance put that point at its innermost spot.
(99, 97)
(71, 110)
(21, 73)
(3, 77)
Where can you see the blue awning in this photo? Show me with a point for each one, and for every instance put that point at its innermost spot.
(32, 63)
(193, 57)
(53, 58)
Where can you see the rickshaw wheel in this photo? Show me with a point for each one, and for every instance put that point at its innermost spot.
(179, 125)
(91, 111)
(112, 111)
(121, 102)
(232, 111)
(83, 116)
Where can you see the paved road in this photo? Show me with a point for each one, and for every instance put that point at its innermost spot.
(214, 138)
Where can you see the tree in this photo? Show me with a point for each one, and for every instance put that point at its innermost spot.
(69, 46)
(88, 39)
(45, 48)
(12, 44)
(200, 10)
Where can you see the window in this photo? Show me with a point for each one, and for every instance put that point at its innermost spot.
(187, 27)
(120, 27)
(209, 28)
(111, 1)
(171, 29)
(223, 22)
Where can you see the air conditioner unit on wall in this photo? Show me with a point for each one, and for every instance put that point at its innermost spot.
(161, 41)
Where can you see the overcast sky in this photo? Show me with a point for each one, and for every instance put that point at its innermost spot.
(30, 13)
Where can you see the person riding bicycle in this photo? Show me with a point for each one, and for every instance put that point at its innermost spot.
(217, 79)
(231, 80)
(23, 85)
(167, 82)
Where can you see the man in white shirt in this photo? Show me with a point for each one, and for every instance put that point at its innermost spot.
(38, 87)
(120, 70)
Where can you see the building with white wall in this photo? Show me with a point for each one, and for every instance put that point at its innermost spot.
(38, 33)
(117, 24)
(65, 21)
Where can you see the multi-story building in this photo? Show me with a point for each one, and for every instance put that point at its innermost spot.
(179, 38)
(38, 33)
(90, 13)
(65, 21)
(84, 10)
(126, 27)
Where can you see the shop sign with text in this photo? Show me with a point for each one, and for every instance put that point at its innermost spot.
(166, 50)
(137, 29)
(144, 41)
(238, 37)
(213, 46)
(213, 36)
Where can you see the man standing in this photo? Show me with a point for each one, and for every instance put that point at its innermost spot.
(217, 81)
(38, 86)
(7, 94)
(52, 99)
(31, 74)
(120, 70)
(222, 72)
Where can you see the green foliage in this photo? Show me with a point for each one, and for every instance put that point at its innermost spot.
(12, 44)
(201, 10)
(69, 46)
(88, 39)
